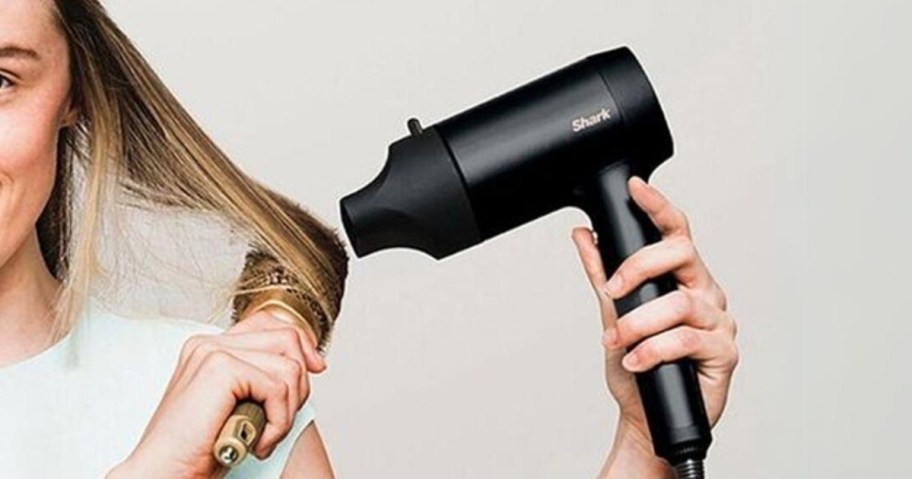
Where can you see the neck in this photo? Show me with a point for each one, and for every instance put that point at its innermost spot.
(27, 295)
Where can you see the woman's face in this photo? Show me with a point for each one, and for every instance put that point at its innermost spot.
(34, 105)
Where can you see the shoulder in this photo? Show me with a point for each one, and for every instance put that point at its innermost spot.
(101, 316)
(149, 343)
(113, 350)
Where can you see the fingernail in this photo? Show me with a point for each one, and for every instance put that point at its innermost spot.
(645, 184)
(614, 284)
(610, 337)
(630, 361)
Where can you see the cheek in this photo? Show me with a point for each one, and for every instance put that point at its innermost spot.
(28, 136)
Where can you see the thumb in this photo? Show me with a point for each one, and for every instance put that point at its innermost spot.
(591, 260)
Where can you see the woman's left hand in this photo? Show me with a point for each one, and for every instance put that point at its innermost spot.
(690, 322)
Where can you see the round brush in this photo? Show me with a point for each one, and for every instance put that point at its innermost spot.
(274, 290)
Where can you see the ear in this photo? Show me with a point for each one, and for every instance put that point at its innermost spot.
(70, 117)
(71, 113)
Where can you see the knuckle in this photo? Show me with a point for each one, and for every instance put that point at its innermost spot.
(278, 388)
(623, 330)
(685, 221)
(637, 265)
(628, 270)
(262, 318)
(205, 347)
(687, 247)
(721, 298)
(284, 424)
(289, 335)
(292, 370)
(646, 353)
(267, 449)
(190, 345)
(305, 395)
(216, 359)
(688, 339)
(279, 393)
(734, 357)
(682, 303)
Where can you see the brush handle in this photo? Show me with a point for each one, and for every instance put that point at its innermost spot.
(240, 433)
(248, 419)
(670, 392)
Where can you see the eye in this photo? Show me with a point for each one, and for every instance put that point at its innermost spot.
(5, 82)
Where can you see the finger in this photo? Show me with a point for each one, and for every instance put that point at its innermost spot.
(269, 321)
(246, 381)
(673, 309)
(589, 256)
(712, 350)
(672, 222)
(676, 255)
(309, 342)
(286, 315)
(281, 343)
(592, 264)
(280, 368)
(668, 219)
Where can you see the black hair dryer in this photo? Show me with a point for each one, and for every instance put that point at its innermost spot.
(571, 138)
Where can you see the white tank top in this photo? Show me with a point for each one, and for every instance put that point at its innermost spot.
(80, 407)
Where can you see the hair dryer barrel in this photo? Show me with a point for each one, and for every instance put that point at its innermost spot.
(523, 153)
(511, 159)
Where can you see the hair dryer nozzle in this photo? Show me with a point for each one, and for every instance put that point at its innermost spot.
(417, 201)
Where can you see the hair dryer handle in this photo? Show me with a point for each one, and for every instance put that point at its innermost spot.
(670, 392)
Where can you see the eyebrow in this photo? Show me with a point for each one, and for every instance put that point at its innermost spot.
(14, 51)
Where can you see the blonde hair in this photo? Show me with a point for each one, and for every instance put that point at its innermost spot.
(134, 137)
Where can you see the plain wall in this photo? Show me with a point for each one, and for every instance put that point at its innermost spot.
(788, 118)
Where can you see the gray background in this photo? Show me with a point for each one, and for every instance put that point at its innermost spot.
(787, 116)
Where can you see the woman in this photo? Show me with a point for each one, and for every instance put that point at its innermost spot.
(80, 107)
(88, 393)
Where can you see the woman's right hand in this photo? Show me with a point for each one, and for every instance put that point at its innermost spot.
(261, 357)
(692, 321)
